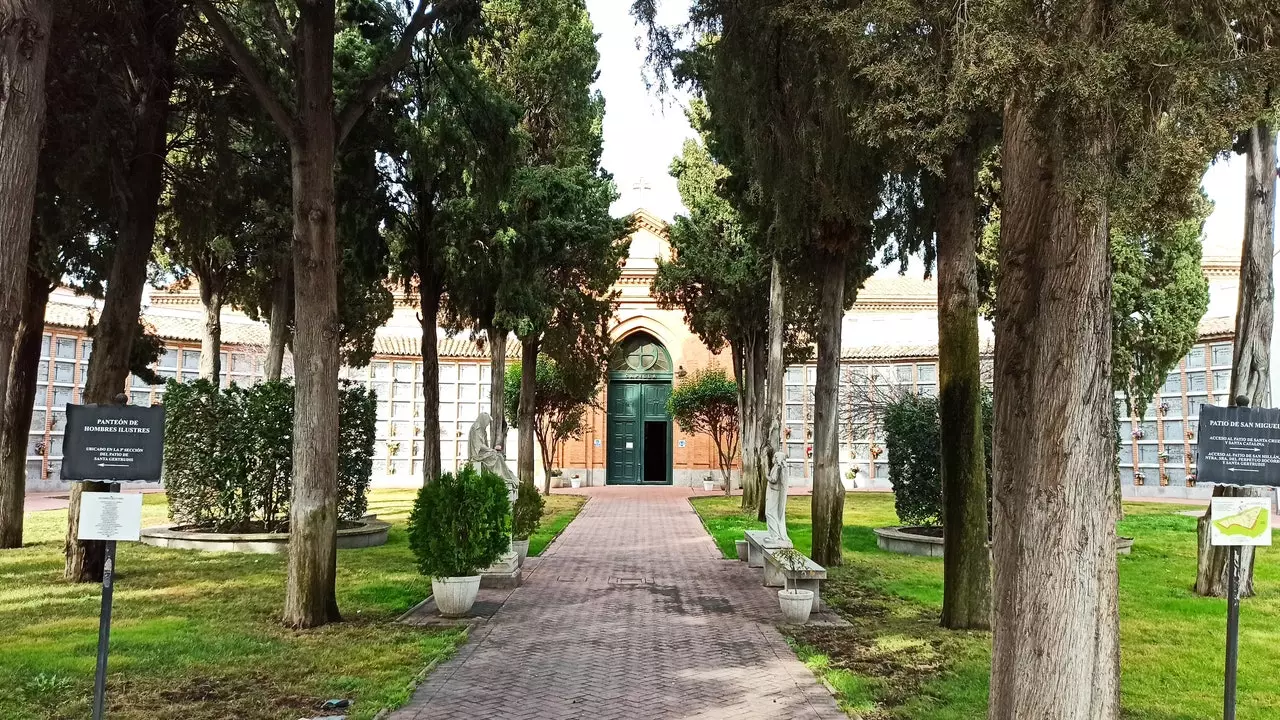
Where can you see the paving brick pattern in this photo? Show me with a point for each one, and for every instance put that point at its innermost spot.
(632, 615)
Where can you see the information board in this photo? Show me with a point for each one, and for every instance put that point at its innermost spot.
(1240, 521)
(113, 442)
(1239, 446)
(110, 516)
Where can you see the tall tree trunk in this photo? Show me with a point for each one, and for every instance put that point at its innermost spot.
(1251, 354)
(162, 22)
(1056, 651)
(281, 319)
(526, 414)
(966, 601)
(19, 402)
(24, 48)
(828, 491)
(497, 387)
(749, 367)
(775, 366)
(429, 302)
(310, 600)
(211, 343)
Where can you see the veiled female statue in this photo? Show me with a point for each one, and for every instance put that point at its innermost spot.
(486, 458)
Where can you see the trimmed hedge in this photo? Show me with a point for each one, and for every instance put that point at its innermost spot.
(912, 437)
(459, 523)
(228, 460)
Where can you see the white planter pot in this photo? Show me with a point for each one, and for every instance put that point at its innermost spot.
(455, 595)
(576, 482)
(796, 605)
(521, 548)
(708, 485)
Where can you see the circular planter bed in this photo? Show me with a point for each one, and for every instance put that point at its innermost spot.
(927, 541)
(367, 532)
(924, 541)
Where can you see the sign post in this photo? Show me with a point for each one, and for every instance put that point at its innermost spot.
(112, 444)
(1238, 446)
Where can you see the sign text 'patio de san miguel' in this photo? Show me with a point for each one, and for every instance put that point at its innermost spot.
(113, 444)
(1238, 446)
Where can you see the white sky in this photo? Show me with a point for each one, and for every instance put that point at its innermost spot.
(643, 132)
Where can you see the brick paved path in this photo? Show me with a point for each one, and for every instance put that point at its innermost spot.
(631, 615)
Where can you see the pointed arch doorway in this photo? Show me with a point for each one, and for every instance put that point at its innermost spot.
(639, 428)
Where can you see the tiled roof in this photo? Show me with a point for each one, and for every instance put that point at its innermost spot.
(1217, 326)
(900, 352)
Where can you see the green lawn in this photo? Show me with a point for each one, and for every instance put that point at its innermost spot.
(894, 662)
(196, 635)
(557, 513)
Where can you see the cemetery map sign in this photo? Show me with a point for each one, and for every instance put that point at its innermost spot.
(1239, 446)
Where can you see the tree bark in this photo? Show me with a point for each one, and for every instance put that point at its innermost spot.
(1056, 651)
(310, 599)
(161, 24)
(775, 366)
(966, 602)
(750, 367)
(19, 402)
(828, 490)
(24, 49)
(211, 343)
(526, 414)
(278, 325)
(1251, 353)
(497, 387)
(429, 303)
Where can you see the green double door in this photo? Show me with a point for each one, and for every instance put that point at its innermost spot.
(639, 434)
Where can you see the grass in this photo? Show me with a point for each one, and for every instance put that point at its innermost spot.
(557, 513)
(895, 663)
(197, 636)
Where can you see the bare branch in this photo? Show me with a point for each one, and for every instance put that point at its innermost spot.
(278, 27)
(253, 74)
(399, 57)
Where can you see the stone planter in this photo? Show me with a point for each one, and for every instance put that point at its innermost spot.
(709, 485)
(369, 532)
(796, 605)
(902, 540)
(454, 596)
(741, 546)
(575, 482)
(520, 548)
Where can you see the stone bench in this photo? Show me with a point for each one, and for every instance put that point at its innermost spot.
(762, 553)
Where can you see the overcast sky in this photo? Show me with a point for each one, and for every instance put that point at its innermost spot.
(642, 132)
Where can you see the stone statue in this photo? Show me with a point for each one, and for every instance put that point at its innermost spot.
(486, 458)
(775, 501)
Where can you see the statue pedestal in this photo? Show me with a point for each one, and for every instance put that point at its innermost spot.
(506, 573)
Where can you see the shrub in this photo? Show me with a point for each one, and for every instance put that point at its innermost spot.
(458, 524)
(708, 403)
(527, 514)
(228, 460)
(912, 437)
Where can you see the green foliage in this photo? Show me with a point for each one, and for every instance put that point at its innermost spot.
(459, 523)
(526, 516)
(357, 428)
(912, 437)
(706, 402)
(563, 392)
(1158, 295)
(229, 454)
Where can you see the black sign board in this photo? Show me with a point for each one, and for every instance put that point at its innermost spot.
(1239, 446)
(113, 442)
